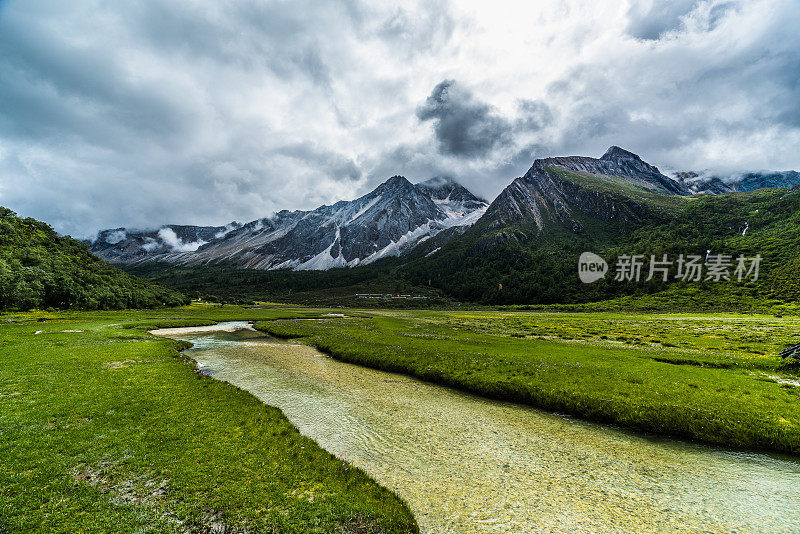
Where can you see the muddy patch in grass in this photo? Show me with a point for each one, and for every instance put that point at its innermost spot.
(152, 493)
(137, 490)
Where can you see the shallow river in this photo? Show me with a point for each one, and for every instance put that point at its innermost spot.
(467, 464)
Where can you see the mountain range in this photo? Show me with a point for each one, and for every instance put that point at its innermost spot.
(439, 241)
(389, 221)
(751, 181)
(520, 248)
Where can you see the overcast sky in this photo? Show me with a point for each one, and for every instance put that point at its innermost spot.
(201, 112)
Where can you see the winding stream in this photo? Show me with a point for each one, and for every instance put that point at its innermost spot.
(468, 464)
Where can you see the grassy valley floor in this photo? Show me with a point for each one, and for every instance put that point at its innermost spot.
(713, 378)
(104, 428)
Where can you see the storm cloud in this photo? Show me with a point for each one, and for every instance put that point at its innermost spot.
(139, 114)
(467, 127)
(463, 126)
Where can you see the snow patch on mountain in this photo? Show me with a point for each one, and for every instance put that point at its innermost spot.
(326, 259)
(404, 243)
(458, 215)
(363, 210)
(434, 251)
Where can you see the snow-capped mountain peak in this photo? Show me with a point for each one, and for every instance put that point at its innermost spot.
(388, 221)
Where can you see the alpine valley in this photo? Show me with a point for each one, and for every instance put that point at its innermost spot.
(437, 240)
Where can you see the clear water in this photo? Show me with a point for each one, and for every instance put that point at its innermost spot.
(467, 464)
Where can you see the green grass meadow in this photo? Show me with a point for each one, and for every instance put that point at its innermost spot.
(105, 428)
(712, 378)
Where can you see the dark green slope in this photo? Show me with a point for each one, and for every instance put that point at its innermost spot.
(535, 257)
(334, 287)
(39, 269)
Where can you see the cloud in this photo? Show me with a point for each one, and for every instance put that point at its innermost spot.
(151, 244)
(464, 126)
(112, 238)
(228, 228)
(652, 18)
(719, 93)
(171, 239)
(147, 113)
(467, 127)
(533, 115)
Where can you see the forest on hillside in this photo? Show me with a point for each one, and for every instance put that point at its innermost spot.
(40, 269)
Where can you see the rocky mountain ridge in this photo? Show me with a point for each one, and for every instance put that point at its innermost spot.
(122, 245)
(388, 221)
(564, 190)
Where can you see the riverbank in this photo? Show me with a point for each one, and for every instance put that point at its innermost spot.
(468, 464)
(103, 428)
(710, 378)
